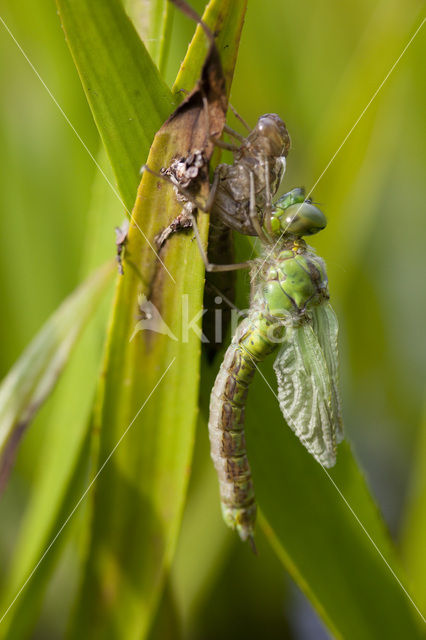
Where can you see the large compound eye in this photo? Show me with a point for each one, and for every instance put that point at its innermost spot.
(302, 219)
(295, 196)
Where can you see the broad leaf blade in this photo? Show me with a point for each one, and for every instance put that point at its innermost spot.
(153, 20)
(62, 459)
(227, 20)
(318, 538)
(413, 535)
(128, 98)
(148, 401)
(199, 559)
(36, 372)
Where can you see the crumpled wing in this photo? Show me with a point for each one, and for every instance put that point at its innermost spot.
(326, 329)
(305, 392)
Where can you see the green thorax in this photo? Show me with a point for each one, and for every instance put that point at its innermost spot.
(291, 280)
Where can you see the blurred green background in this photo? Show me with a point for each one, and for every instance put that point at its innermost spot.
(317, 65)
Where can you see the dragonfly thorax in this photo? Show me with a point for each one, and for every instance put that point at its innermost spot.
(292, 282)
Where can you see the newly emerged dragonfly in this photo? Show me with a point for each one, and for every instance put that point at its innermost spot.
(289, 311)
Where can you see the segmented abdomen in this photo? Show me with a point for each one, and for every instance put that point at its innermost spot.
(226, 424)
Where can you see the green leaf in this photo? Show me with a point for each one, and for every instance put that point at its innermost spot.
(128, 98)
(227, 21)
(197, 565)
(149, 397)
(36, 372)
(41, 542)
(62, 459)
(153, 20)
(317, 537)
(413, 536)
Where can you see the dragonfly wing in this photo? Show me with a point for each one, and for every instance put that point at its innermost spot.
(304, 392)
(326, 328)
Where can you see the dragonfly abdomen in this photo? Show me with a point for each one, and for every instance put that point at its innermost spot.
(226, 425)
(227, 440)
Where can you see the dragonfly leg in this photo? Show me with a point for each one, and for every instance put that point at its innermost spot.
(268, 199)
(252, 545)
(211, 268)
(224, 145)
(268, 195)
(120, 241)
(212, 193)
(240, 118)
(205, 205)
(233, 133)
(267, 217)
(253, 213)
(185, 192)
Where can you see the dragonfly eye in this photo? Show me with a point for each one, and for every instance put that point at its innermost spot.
(300, 219)
(295, 196)
(304, 219)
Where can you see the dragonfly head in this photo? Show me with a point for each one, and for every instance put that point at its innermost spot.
(270, 136)
(293, 215)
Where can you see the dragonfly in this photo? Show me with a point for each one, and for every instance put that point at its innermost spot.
(290, 313)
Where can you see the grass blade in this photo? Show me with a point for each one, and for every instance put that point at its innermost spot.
(148, 399)
(155, 30)
(128, 98)
(62, 455)
(413, 543)
(36, 372)
(317, 537)
(199, 561)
